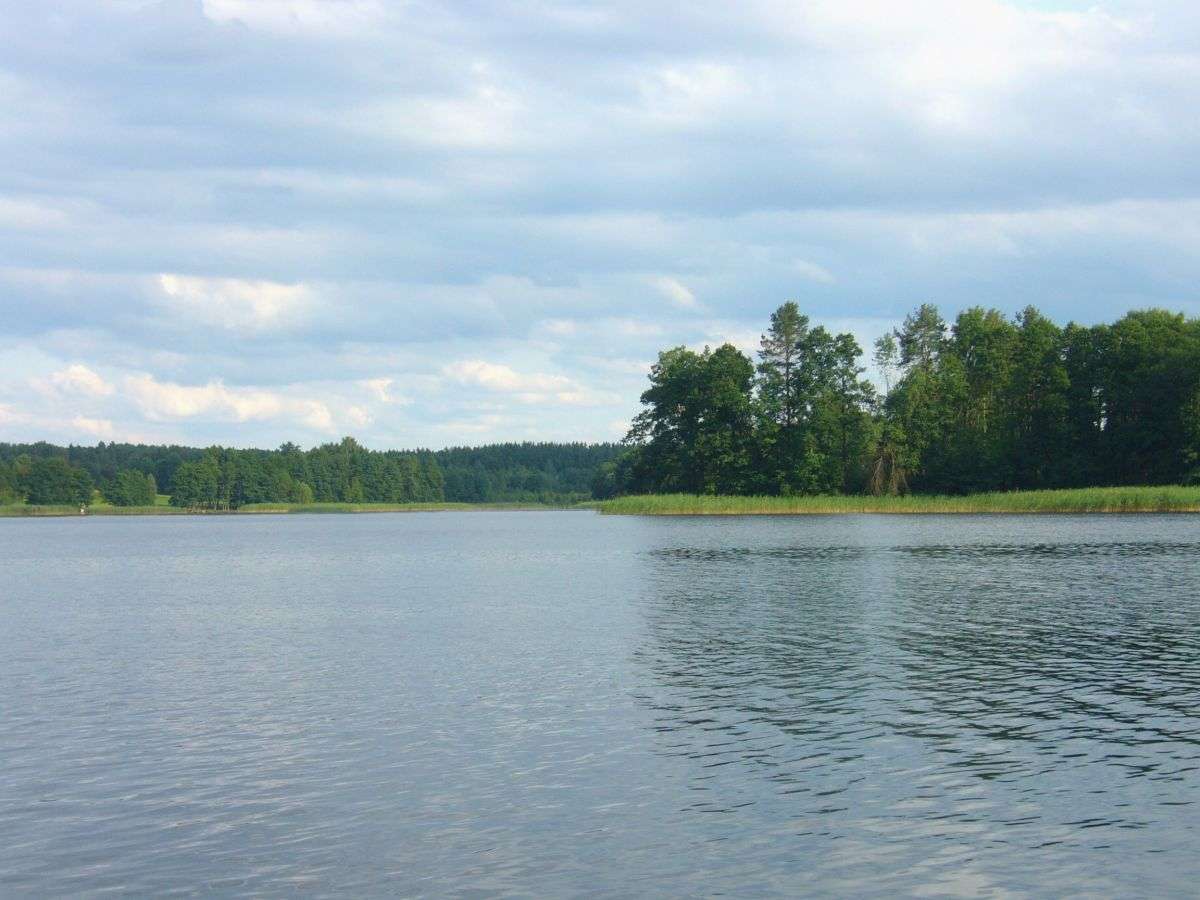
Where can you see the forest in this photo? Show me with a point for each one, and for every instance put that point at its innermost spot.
(986, 403)
(346, 472)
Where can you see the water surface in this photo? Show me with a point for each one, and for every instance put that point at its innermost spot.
(561, 703)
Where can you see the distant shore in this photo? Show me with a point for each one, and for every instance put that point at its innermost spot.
(1171, 498)
(30, 511)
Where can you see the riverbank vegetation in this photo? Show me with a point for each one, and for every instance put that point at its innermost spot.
(987, 405)
(1080, 500)
(219, 478)
(26, 510)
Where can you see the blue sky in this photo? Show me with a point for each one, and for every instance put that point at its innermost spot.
(249, 221)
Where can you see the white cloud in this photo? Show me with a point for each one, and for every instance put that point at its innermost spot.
(159, 400)
(528, 388)
(691, 94)
(24, 214)
(813, 272)
(502, 378)
(381, 389)
(675, 291)
(77, 379)
(549, 194)
(236, 304)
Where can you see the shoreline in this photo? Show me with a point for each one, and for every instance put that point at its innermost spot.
(1078, 501)
(1075, 501)
(25, 511)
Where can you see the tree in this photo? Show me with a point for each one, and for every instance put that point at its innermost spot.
(10, 492)
(782, 377)
(1038, 403)
(887, 359)
(845, 404)
(54, 481)
(696, 432)
(921, 338)
(196, 484)
(1151, 374)
(794, 372)
(132, 488)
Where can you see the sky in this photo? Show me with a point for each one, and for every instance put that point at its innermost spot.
(439, 223)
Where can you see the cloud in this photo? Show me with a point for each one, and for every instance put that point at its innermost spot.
(235, 304)
(381, 389)
(165, 400)
(675, 291)
(813, 272)
(531, 388)
(78, 380)
(248, 209)
(502, 378)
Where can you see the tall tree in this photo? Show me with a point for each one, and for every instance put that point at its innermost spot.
(846, 402)
(784, 385)
(921, 338)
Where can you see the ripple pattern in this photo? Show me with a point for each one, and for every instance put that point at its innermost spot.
(563, 704)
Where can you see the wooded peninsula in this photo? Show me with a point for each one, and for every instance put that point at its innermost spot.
(987, 404)
(988, 413)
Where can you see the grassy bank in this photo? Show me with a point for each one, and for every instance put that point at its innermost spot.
(104, 509)
(1082, 500)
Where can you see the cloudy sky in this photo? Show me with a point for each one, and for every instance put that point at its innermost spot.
(430, 223)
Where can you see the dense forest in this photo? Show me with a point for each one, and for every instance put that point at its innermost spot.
(224, 478)
(984, 404)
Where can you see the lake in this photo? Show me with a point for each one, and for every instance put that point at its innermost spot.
(551, 703)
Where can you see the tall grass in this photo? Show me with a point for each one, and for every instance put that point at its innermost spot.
(1171, 498)
(24, 510)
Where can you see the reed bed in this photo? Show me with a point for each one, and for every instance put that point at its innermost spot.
(25, 510)
(1172, 498)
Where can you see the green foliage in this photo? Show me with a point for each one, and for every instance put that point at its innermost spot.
(54, 481)
(696, 434)
(712, 423)
(988, 404)
(343, 472)
(11, 490)
(132, 488)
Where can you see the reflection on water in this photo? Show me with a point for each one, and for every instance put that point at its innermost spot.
(975, 715)
(565, 703)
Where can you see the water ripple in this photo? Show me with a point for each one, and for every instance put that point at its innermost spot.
(561, 704)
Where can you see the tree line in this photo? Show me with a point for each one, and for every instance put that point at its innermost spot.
(227, 478)
(986, 403)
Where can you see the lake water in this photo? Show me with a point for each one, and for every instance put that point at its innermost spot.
(549, 703)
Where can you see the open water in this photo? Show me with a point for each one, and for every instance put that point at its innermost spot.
(562, 703)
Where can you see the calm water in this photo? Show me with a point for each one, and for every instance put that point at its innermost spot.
(563, 703)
